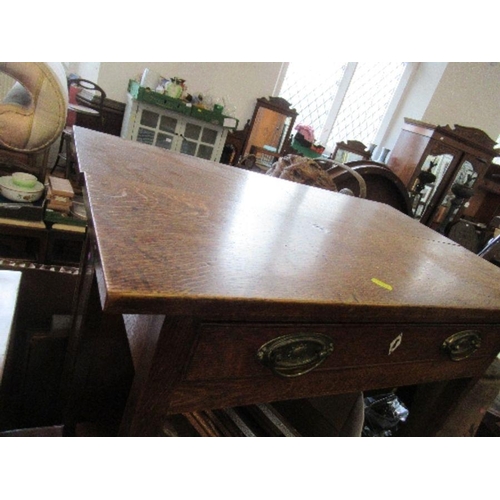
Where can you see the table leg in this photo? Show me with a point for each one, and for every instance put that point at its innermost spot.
(98, 368)
(433, 406)
(160, 349)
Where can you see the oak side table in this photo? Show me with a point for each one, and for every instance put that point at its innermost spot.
(232, 288)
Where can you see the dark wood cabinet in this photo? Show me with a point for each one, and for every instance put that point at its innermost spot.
(485, 205)
(442, 168)
(41, 243)
(112, 116)
(29, 393)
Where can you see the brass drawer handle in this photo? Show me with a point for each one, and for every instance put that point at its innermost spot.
(461, 345)
(295, 354)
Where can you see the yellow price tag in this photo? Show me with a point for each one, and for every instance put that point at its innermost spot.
(382, 284)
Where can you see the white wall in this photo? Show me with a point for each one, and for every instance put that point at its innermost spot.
(416, 98)
(87, 70)
(239, 83)
(468, 95)
(454, 93)
(440, 93)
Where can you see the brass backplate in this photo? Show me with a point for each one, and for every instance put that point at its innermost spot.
(461, 345)
(295, 354)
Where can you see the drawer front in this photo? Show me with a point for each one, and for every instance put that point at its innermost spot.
(235, 351)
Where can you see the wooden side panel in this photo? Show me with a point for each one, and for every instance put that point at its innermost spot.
(406, 155)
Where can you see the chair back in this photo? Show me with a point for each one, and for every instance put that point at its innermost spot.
(86, 103)
(33, 113)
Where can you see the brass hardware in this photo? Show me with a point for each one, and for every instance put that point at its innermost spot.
(461, 345)
(295, 354)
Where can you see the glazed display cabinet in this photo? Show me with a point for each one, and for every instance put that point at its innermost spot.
(442, 168)
(172, 130)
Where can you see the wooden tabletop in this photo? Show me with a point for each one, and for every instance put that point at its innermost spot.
(181, 235)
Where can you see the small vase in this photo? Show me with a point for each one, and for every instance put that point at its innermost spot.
(383, 155)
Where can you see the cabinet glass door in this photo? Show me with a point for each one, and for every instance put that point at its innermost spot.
(166, 133)
(460, 190)
(156, 129)
(147, 129)
(191, 137)
(199, 141)
(432, 173)
(208, 139)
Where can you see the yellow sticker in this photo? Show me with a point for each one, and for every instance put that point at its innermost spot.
(382, 284)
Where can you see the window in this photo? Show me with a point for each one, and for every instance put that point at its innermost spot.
(345, 100)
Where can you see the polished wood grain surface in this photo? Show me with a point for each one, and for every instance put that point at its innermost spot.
(180, 234)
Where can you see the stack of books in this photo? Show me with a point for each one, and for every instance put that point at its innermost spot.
(60, 195)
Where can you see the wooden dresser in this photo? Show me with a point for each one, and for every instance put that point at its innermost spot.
(234, 288)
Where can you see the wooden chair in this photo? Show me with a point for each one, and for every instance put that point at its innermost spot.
(233, 147)
(86, 102)
(382, 184)
(90, 110)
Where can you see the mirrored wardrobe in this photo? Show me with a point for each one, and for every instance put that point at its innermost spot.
(270, 128)
(442, 168)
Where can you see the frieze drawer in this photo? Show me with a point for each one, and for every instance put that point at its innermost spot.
(242, 351)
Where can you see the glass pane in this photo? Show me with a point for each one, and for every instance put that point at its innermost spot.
(366, 102)
(431, 174)
(192, 131)
(188, 147)
(149, 119)
(311, 88)
(205, 152)
(164, 141)
(209, 136)
(461, 189)
(168, 124)
(466, 176)
(464, 180)
(146, 136)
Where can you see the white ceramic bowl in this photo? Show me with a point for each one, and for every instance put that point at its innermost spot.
(24, 180)
(17, 193)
